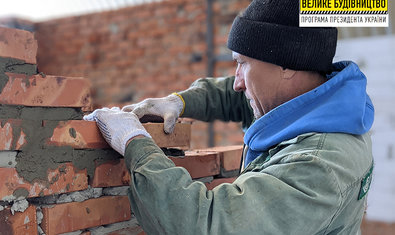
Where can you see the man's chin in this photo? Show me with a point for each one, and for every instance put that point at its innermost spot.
(257, 115)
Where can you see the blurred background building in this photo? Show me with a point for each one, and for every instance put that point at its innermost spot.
(134, 49)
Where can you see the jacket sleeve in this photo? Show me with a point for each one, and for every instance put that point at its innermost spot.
(295, 198)
(210, 99)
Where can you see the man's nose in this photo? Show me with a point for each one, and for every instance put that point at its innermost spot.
(238, 84)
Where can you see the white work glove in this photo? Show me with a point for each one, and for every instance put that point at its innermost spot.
(117, 127)
(169, 108)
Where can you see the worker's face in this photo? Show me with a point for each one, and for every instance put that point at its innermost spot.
(261, 83)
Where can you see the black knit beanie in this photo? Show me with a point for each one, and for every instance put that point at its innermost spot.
(268, 30)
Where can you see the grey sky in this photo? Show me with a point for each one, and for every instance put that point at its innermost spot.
(41, 10)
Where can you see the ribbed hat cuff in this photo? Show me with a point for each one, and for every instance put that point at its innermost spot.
(310, 49)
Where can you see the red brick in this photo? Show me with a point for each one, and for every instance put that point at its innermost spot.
(48, 91)
(18, 44)
(68, 217)
(111, 174)
(180, 137)
(230, 156)
(7, 139)
(199, 164)
(19, 223)
(64, 179)
(87, 135)
(81, 134)
(219, 181)
(78, 134)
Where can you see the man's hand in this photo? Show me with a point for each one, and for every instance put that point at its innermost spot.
(169, 108)
(117, 127)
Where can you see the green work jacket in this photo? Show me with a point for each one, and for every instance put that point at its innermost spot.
(312, 184)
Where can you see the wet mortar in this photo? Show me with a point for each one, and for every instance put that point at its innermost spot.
(20, 193)
(36, 158)
(14, 66)
(39, 113)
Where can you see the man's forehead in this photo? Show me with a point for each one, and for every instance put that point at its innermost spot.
(236, 55)
(239, 56)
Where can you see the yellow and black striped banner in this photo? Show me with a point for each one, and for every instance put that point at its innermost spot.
(359, 6)
(343, 13)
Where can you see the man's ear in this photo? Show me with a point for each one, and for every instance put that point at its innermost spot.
(288, 73)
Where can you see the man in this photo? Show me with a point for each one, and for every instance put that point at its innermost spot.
(307, 161)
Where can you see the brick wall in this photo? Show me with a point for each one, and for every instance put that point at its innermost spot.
(58, 174)
(150, 50)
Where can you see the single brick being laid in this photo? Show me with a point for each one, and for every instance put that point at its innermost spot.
(81, 134)
(18, 44)
(78, 134)
(180, 137)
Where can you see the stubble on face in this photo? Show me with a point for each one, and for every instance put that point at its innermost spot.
(256, 111)
(255, 78)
